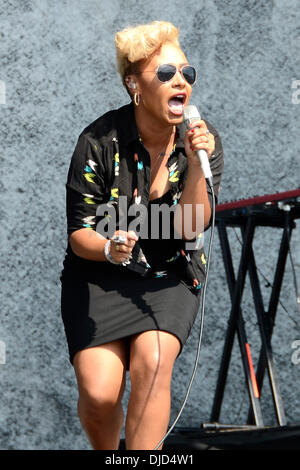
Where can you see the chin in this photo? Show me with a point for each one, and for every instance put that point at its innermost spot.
(175, 119)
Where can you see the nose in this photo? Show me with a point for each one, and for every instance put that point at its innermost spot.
(178, 78)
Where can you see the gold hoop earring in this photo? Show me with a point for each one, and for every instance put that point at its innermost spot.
(136, 99)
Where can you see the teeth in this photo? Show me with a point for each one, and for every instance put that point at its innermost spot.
(180, 97)
(176, 104)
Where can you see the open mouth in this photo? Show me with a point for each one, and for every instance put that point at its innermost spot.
(176, 103)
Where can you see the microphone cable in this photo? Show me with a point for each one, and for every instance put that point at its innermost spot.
(209, 180)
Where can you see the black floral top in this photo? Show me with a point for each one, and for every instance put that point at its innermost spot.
(109, 175)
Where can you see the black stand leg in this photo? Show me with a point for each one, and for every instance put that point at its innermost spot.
(236, 323)
(265, 321)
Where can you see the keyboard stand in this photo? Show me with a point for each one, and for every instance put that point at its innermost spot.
(254, 217)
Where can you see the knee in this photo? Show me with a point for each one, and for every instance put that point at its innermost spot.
(152, 357)
(97, 404)
(149, 370)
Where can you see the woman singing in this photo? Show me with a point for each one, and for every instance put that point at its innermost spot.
(130, 295)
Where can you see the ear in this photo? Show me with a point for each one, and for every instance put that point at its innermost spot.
(130, 83)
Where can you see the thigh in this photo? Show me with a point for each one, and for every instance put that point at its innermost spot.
(100, 370)
(153, 352)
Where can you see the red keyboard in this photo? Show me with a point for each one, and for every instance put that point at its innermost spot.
(267, 199)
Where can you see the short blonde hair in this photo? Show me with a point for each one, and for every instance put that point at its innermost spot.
(137, 43)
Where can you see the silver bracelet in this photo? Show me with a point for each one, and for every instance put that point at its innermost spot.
(108, 255)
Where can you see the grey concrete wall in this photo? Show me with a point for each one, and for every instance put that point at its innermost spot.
(58, 74)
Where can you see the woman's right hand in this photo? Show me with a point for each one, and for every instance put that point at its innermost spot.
(121, 252)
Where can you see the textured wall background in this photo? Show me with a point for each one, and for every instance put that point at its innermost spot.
(58, 74)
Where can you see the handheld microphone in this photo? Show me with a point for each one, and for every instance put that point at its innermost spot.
(191, 114)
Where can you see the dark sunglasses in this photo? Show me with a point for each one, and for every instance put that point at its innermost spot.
(165, 73)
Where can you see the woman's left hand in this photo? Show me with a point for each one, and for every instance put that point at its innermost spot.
(198, 137)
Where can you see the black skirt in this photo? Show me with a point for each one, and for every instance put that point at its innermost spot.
(118, 303)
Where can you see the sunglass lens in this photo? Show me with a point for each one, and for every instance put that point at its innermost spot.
(166, 72)
(189, 74)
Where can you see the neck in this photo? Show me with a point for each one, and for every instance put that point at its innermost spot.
(153, 133)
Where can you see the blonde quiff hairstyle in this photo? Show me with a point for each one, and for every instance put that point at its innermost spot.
(137, 43)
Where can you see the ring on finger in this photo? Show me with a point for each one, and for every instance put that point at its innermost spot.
(127, 260)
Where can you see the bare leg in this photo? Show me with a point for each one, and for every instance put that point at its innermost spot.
(100, 373)
(152, 356)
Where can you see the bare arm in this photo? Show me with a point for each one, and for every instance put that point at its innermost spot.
(89, 244)
(194, 194)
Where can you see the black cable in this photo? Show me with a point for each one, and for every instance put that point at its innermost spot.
(201, 318)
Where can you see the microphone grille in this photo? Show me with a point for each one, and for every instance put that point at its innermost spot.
(191, 112)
